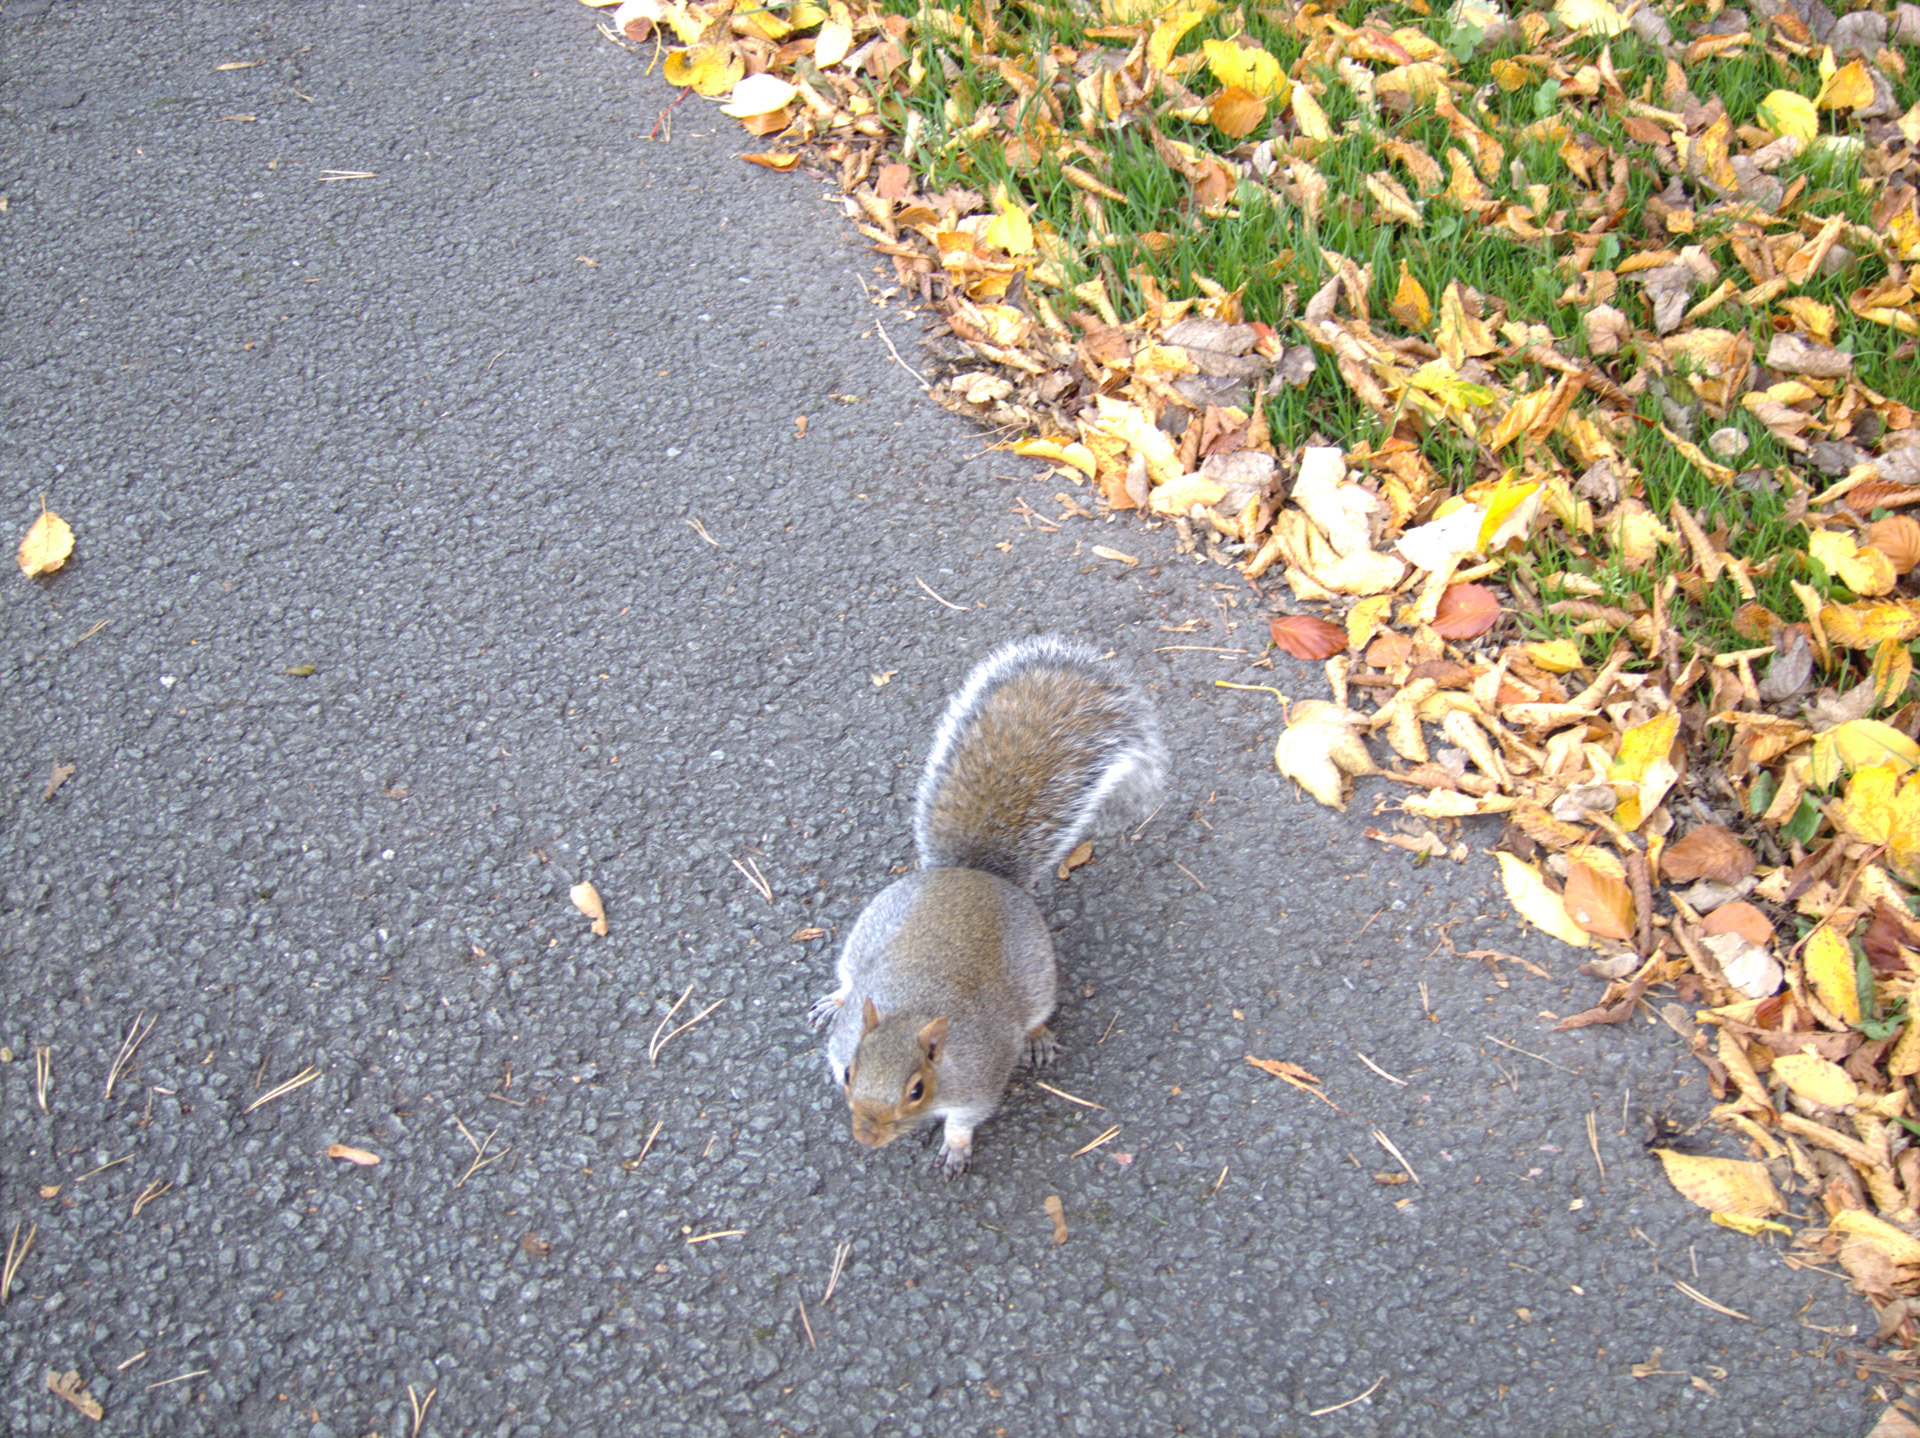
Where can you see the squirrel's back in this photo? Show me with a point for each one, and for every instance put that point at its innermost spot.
(1039, 738)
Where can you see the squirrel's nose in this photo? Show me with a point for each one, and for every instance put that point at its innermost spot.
(869, 1133)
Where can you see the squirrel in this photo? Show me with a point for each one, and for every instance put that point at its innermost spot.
(947, 979)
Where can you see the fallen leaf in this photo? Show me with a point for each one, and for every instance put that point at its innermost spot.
(1858, 743)
(1830, 974)
(586, 899)
(47, 544)
(1724, 1185)
(61, 773)
(68, 1386)
(1816, 1080)
(1742, 918)
(1466, 611)
(1708, 852)
(1897, 537)
(1237, 112)
(1783, 113)
(1318, 756)
(1536, 903)
(1306, 637)
(1897, 1244)
(353, 1155)
(768, 160)
(760, 94)
(1599, 903)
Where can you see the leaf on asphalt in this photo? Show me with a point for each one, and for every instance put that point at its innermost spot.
(353, 1155)
(1305, 637)
(1535, 902)
(1707, 852)
(1318, 751)
(768, 160)
(47, 544)
(68, 1386)
(586, 899)
(1724, 1185)
(711, 70)
(1466, 612)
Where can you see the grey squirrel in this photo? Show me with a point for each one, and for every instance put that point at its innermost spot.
(947, 978)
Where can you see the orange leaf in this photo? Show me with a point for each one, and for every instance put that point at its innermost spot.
(782, 163)
(1238, 112)
(1742, 918)
(1305, 637)
(1466, 612)
(1598, 903)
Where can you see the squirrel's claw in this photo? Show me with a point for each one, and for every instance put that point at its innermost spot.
(956, 1154)
(823, 1010)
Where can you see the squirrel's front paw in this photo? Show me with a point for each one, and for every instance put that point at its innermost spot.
(823, 1011)
(956, 1158)
(1041, 1047)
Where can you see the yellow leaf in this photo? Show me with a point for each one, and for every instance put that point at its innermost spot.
(1745, 1223)
(1179, 496)
(1817, 1080)
(1511, 510)
(1898, 1245)
(1365, 618)
(1077, 455)
(47, 544)
(1556, 656)
(1857, 743)
(1723, 1185)
(1247, 67)
(1009, 228)
(759, 95)
(1172, 29)
(1461, 335)
(1319, 756)
(1784, 113)
(1538, 904)
(1892, 673)
(1590, 17)
(1421, 81)
(710, 70)
(1848, 88)
(1310, 117)
(1868, 626)
(1643, 764)
(830, 46)
(1867, 572)
(1829, 965)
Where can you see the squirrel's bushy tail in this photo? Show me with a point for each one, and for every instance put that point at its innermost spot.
(1035, 743)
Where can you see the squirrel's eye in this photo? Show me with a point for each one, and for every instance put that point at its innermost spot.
(913, 1094)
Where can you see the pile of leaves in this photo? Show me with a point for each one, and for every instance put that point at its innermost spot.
(1599, 328)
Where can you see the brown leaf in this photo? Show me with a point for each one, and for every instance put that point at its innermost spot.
(1739, 917)
(1306, 637)
(1755, 621)
(534, 1246)
(61, 773)
(895, 182)
(352, 1155)
(1466, 611)
(1617, 1012)
(1598, 903)
(1709, 852)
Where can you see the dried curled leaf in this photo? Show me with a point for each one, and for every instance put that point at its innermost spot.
(353, 1155)
(1466, 612)
(586, 899)
(1306, 637)
(1709, 852)
(1318, 756)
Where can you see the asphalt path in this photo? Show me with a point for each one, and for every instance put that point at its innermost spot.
(447, 537)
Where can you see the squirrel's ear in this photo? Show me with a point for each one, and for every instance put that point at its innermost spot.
(932, 1036)
(869, 1016)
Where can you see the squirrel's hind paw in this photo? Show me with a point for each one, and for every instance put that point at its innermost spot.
(1041, 1047)
(823, 1010)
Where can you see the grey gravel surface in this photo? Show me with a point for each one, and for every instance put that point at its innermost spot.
(579, 603)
